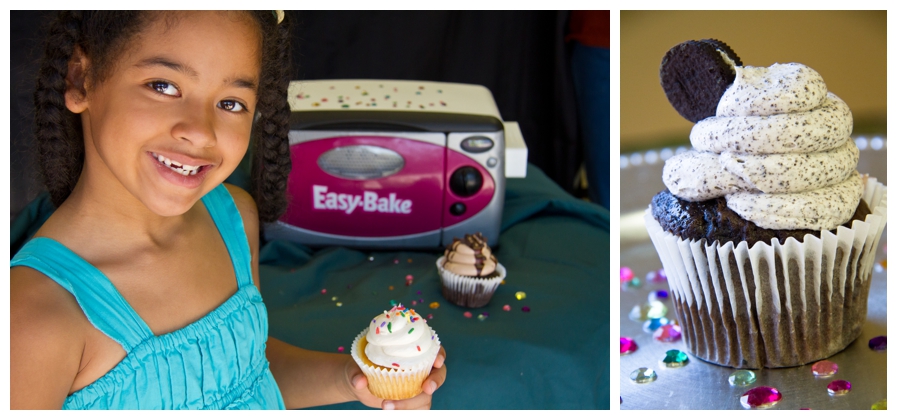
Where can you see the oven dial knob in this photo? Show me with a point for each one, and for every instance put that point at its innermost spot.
(466, 181)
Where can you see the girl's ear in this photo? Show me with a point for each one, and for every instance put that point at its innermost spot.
(75, 82)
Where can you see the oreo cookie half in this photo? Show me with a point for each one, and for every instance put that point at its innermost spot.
(695, 76)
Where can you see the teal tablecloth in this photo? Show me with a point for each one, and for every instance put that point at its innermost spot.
(556, 250)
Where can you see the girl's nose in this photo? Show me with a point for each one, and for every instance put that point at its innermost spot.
(196, 125)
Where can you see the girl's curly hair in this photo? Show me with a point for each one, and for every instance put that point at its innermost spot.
(102, 36)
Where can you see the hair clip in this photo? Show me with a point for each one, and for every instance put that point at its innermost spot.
(279, 15)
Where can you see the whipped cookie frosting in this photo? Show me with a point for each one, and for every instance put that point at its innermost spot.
(400, 338)
(778, 149)
(470, 256)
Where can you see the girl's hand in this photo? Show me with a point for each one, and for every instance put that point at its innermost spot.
(359, 384)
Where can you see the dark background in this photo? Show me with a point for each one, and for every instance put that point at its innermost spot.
(519, 55)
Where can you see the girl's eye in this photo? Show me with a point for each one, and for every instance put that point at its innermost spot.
(164, 88)
(232, 106)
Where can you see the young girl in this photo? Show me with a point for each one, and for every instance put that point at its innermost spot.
(141, 290)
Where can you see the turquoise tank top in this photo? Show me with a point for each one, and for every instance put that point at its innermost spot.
(217, 362)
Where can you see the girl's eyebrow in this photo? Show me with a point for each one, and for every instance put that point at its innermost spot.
(240, 82)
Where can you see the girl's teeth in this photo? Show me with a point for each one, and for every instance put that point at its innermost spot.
(176, 166)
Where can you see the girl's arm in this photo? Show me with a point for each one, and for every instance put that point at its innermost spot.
(309, 378)
(46, 340)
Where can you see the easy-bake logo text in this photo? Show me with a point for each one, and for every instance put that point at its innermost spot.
(370, 201)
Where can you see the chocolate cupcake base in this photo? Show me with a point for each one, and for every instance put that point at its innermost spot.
(773, 305)
(470, 292)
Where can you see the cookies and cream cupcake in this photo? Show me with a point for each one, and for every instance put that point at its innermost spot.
(396, 353)
(766, 231)
(469, 271)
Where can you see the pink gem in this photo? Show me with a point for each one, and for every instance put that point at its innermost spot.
(467, 314)
(661, 276)
(838, 387)
(429, 316)
(506, 308)
(626, 274)
(668, 333)
(340, 349)
(409, 277)
(824, 368)
(323, 291)
(761, 397)
(627, 345)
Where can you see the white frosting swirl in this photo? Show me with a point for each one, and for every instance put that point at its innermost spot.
(779, 150)
(400, 338)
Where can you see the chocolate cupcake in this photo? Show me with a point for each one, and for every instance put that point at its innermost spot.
(767, 232)
(469, 271)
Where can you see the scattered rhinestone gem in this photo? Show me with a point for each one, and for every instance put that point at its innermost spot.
(742, 378)
(658, 295)
(468, 314)
(639, 313)
(434, 305)
(333, 299)
(761, 397)
(340, 349)
(429, 316)
(626, 274)
(482, 317)
(635, 283)
(880, 405)
(392, 302)
(668, 333)
(338, 304)
(643, 375)
(627, 345)
(371, 258)
(391, 287)
(675, 358)
(506, 308)
(656, 310)
(652, 325)
(838, 387)
(824, 368)
(395, 261)
(525, 309)
(879, 343)
(323, 291)
(660, 276)
(520, 295)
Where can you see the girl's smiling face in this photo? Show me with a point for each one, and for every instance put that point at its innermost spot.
(173, 117)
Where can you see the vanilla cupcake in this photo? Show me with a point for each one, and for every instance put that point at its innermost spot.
(396, 353)
(469, 271)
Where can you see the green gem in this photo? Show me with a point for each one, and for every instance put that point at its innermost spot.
(742, 378)
(393, 302)
(881, 405)
(643, 375)
(675, 358)
(635, 283)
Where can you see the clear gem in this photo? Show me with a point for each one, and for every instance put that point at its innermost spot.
(668, 333)
(627, 345)
(626, 274)
(879, 343)
(881, 405)
(643, 375)
(838, 387)
(824, 368)
(742, 378)
(658, 295)
(761, 397)
(675, 358)
(639, 313)
(652, 325)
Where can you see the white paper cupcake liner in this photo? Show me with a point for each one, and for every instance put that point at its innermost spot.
(395, 383)
(773, 305)
(471, 292)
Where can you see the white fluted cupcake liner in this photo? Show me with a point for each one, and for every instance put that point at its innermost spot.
(773, 305)
(471, 292)
(394, 383)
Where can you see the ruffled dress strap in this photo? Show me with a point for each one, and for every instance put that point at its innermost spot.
(220, 205)
(101, 302)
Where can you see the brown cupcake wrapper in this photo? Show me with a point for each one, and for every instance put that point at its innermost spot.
(470, 292)
(392, 383)
(773, 305)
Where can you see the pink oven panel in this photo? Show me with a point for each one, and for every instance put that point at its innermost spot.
(404, 203)
(474, 203)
